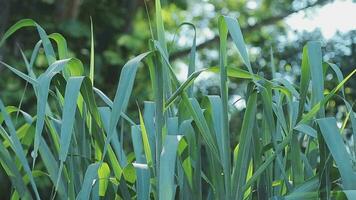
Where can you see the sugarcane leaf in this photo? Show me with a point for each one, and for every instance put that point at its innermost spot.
(337, 148)
(90, 178)
(167, 160)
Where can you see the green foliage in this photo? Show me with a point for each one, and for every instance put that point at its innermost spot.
(183, 148)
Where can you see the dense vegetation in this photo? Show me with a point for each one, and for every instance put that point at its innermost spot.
(81, 144)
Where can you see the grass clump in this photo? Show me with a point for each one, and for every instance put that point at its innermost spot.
(181, 147)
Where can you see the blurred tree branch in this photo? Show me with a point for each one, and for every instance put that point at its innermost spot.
(263, 22)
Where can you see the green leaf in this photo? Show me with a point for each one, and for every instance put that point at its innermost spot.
(236, 73)
(61, 45)
(337, 148)
(90, 176)
(316, 71)
(213, 108)
(69, 109)
(318, 106)
(130, 173)
(143, 175)
(149, 120)
(42, 90)
(88, 96)
(92, 61)
(47, 46)
(123, 93)
(103, 175)
(182, 87)
(17, 147)
(20, 74)
(159, 25)
(145, 141)
(52, 168)
(306, 129)
(236, 35)
(20, 24)
(185, 157)
(12, 172)
(45, 40)
(304, 82)
(235, 32)
(167, 160)
(241, 166)
(197, 114)
(12, 109)
(304, 189)
(105, 113)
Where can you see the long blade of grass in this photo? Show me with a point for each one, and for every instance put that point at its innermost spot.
(103, 176)
(145, 141)
(12, 172)
(123, 93)
(92, 61)
(162, 43)
(226, 160)
(149, 120)
(42, 90)
(307, 130)
(143, 176)
(90, 177)
(192, 56)
(52, 168)
(69, 109)
(168, 159)
(182, 87)
(17, 147)
(20, 74)
(241, 166)
(337, 148)
(307, 117)
(236, 35)
(198, 116)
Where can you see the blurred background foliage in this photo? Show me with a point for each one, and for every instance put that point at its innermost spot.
(121, 29)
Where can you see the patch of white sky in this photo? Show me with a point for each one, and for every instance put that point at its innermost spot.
(338, 16)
